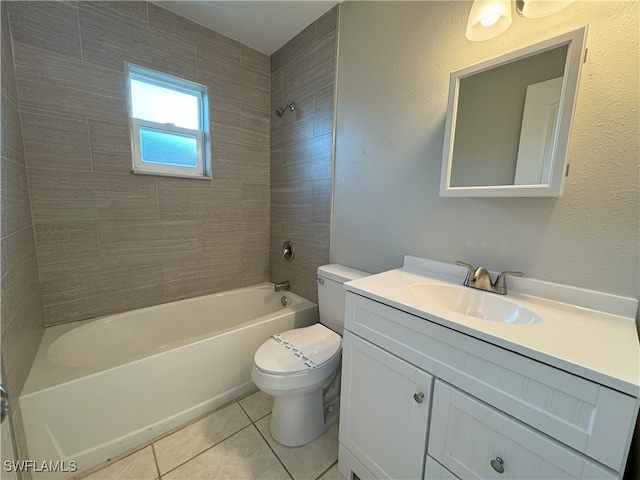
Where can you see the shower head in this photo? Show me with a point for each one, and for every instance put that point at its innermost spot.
(280, 110)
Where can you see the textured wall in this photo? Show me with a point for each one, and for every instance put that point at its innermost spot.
(22, 319)
(108, 240)
(303, 71)
(394, 64)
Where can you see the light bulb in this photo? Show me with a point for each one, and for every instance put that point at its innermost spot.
(490, 20)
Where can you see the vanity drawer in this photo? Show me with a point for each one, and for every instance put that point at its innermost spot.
(584, 415)
(473, 440)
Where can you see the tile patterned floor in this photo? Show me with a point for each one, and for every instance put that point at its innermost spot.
(232, 442)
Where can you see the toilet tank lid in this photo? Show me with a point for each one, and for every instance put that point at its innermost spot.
(340, 273)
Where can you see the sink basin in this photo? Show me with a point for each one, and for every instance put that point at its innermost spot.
(475, 303)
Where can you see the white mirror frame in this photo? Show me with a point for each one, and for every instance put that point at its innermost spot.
(576, 41)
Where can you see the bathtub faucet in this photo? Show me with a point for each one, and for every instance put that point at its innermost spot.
(278, 287)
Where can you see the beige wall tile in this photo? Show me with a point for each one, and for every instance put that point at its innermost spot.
(298, 128)
(321, 201)
(301, 154)
(234, 82)
(254, 58)
(308, 159)
(296, 46)
(184, 30)
(327, 23)
(202, 275)
(130, 13)
(110, 147)
(81, 294)
(7, 74)
(313, 71)
(21, 321)
(51, 26)
(323, 113)
(72, 196)
(230, 166)
(67, 246)
(148, 243)
(11, 136)
(19, 272)
(21, 339)
(52, 140)
(291, 202)
(65, 85)
(14, 198)
(108, 42)
(255, 201)
(181, 199)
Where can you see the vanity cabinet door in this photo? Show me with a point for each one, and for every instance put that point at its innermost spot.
(474, 440)
(385, 410)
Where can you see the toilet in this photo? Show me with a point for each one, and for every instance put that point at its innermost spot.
(300, 368)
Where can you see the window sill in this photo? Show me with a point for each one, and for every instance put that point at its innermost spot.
(175, 175)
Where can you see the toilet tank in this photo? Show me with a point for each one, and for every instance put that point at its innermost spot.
(331, 293)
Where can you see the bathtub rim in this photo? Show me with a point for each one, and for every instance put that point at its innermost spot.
(45, 374)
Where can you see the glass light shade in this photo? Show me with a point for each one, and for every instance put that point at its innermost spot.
(541, 8)
(488, 19)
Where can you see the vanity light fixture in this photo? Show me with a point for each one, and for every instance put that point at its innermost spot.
(490, 18)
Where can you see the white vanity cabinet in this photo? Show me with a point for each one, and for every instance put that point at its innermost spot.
(483, 408)
(386, 427)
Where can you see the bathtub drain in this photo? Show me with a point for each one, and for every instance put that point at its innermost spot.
(284, 301)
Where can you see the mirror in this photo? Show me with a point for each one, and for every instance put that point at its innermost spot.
(509, 121)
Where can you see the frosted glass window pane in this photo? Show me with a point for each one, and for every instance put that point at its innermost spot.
(163, 105)
(167, 148)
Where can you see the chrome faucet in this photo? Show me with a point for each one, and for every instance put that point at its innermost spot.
(481, 279)
(286, 285)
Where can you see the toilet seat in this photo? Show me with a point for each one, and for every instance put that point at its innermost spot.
(298, 351)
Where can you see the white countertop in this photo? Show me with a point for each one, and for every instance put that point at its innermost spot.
(587, 333)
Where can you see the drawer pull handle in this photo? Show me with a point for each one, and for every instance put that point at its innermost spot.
(418, 397)
(497, 464)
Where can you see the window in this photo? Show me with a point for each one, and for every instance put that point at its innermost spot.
(169, 125)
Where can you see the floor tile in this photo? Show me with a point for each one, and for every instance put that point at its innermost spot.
(185, 444)
(245, 455)
(137, 466)
(307, 461)
(332, 474)
(257, 405)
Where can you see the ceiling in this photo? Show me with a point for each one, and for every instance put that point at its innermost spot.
(262, 25)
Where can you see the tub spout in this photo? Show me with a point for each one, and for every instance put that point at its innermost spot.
(278, 287)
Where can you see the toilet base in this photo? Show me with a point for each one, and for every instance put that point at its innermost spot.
(298, 419)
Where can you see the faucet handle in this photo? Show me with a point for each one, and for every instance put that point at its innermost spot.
(500, 287)
(471, 269)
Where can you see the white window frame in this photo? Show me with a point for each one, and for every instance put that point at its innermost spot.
(203, 168)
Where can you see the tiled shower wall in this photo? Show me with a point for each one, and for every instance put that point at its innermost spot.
(303, 71)
(107, 240)
(22, 319)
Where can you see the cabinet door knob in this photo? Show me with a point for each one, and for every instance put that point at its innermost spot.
(497, 464)
(418, 397)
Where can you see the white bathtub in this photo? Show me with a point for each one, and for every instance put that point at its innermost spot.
(100, 388)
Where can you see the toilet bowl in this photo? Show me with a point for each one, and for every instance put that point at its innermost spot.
(300, 368)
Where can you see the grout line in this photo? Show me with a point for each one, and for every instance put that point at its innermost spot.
(274, 452)
(207, 449)
(79, 33)
(327, 469)
(90, 145)
(155, 460)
